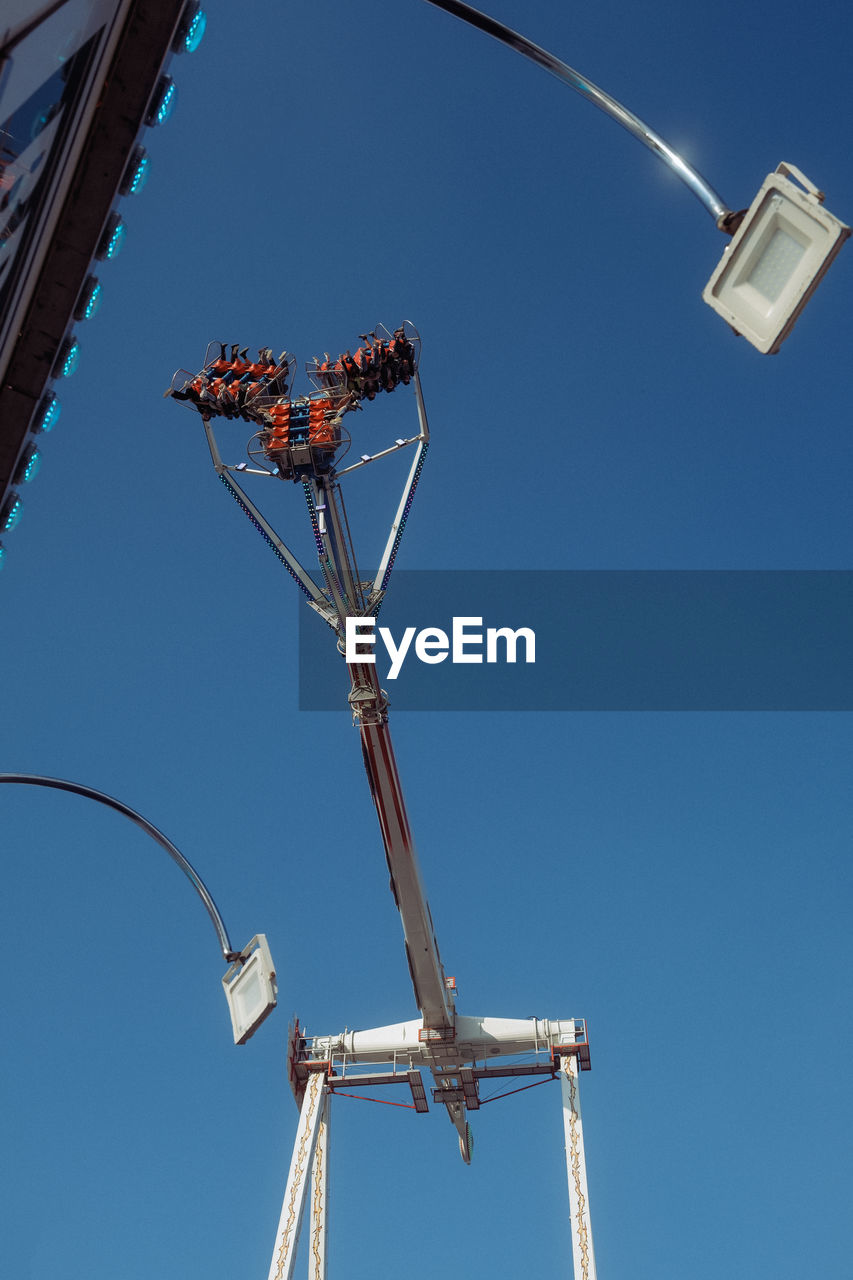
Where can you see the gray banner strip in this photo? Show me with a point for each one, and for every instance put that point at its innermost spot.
(611, 640)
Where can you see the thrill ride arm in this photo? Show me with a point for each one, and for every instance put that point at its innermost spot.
(370, 711)
(432, 995)
(340, 595)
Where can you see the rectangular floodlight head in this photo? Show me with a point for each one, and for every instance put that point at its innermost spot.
(250, 988)
(776, 259)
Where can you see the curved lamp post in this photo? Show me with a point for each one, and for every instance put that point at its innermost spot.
(249, 981)
(782, 244)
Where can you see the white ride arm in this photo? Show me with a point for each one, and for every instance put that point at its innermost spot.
(432, 995)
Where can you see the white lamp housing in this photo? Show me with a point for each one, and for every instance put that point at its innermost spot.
(250, 988)
(775, 260)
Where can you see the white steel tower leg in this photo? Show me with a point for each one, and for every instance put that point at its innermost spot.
(320, 1196)
(582, 1253)
(313, 1106)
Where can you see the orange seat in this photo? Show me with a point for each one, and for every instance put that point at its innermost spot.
(279, 439)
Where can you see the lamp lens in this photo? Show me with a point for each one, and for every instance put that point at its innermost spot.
(776, 264)
(249, 998)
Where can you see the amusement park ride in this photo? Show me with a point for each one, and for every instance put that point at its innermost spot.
(304, 440)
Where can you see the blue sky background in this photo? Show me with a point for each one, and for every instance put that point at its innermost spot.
(680, 880)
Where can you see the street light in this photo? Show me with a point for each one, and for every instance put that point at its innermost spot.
(779, 254)
(783, 244)
(249, 982)
(250, 988)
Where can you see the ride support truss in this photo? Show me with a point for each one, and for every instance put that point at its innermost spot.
(480, 1055)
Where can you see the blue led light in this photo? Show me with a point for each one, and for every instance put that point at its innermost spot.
(68, 358)
(28, 466)
(116, 240)
(112, 239)
(49, 412)
(93, 305)
(162, 102)
(195, 31)
(140, 175)
(2, 554)
(90, 299)
(167, 106)
(10, 513)
(136, 173)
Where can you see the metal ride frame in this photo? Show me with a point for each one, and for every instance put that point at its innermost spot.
(459, 1052)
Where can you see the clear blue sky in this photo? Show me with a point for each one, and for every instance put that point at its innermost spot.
(680, 880)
